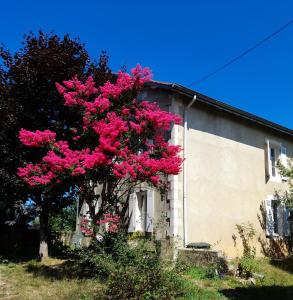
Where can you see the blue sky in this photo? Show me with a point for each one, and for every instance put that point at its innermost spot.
(181, 41)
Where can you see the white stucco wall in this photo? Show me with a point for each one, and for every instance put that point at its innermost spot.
(227, 181)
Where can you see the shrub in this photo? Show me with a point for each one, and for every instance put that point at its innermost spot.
(247, 263)
(132, 271)
(143, 278)
(94, 265)
(94, 262)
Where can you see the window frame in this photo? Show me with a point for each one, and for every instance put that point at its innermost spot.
(278, 151)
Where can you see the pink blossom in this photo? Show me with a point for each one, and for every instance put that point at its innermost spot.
(37, 138)
(112, 221)
(61, 89)
(142, 75)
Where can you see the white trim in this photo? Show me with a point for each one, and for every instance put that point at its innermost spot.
(185, 154)
(174, 190)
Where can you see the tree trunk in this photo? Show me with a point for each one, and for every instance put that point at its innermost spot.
(43, 250)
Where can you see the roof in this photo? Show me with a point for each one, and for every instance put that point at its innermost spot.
(174, 87)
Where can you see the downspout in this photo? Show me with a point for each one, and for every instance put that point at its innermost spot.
(185, 144)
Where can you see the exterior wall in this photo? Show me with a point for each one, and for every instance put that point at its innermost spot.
(226, 176)
(227, 182)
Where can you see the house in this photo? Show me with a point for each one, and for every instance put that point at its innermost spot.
(229, 177)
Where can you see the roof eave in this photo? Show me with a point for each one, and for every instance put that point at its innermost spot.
(223, 106)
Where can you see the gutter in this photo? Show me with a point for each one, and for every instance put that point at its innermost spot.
(185, 152)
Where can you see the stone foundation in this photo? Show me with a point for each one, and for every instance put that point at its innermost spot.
(199, 256)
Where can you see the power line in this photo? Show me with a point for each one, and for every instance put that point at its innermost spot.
(230, 62)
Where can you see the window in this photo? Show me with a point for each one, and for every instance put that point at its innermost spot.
(277, 223)
(275, 152)
(140, 211)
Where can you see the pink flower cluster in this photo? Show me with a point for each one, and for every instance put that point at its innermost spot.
(36, 174)
(110, 130)
(85, 227)
(144, 167)
(157, 117)
(36, 139)
(122, 126)
(111, 220)
(126, 82)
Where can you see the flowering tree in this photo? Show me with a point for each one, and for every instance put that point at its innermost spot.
(119, 144)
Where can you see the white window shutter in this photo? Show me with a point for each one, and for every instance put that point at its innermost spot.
(283, 156)
(269, 218)
(283, 159)
(131, 212)
(150, 211)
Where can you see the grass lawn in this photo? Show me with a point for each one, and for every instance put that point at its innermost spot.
(54, 279)
(277, 283)
(49, 280)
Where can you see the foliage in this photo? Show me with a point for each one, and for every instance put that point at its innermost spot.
(136, 235)
(29, 99)
(65, 220)
(287, 172)
(247, 263)
(131, 271)
(94, 265)
(246, 232)
(93, 261)
(209, 271)
(143, 281)
(247, 266)
(118, 144)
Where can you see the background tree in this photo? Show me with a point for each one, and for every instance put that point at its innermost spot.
(119, 145)
(28, 99)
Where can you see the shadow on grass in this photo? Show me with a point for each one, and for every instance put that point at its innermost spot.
(260, 293)
(16, 257)
(64, 270)
(285, 264)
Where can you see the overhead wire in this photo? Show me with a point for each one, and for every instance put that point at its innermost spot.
(244, 53)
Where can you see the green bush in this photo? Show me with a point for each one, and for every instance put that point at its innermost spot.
(132, 271)
(143, 278)
(94, 261)
(247, 265)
